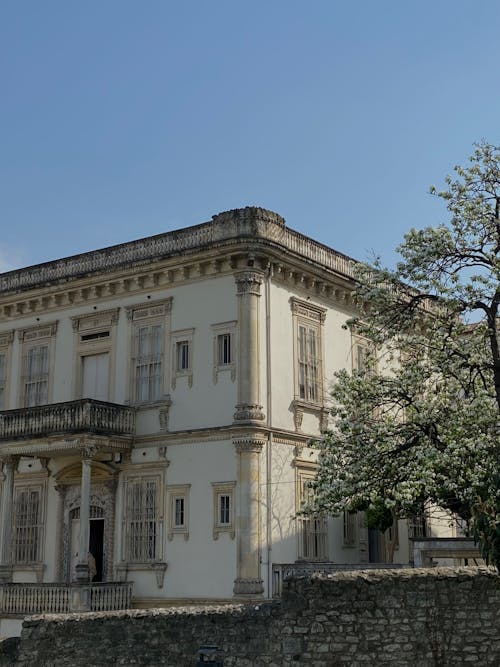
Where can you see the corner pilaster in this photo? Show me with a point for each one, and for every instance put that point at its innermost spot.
(248, 408)
(249, 580)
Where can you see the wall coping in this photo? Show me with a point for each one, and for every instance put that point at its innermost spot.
(245, 224)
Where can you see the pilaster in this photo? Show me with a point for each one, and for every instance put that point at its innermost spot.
(248, 408)
(9, 469)
(249, 580)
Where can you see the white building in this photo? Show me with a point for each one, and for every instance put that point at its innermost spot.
(157, 400)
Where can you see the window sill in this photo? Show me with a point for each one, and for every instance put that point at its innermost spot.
(158, 567)
(300, 406)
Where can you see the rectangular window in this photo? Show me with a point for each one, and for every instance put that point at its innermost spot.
(28, 526)
(308, 350)
(36, 376)
(183, 356)
(3, 378)
(148, 362)
(308, 320)
(178, 512)
(143, 529)
(312, 529)
(224, 349)
(349, 520)
(224, 508)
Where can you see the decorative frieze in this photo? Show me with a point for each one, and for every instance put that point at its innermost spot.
(101, 319)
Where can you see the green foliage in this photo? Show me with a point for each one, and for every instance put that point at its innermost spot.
(419, 422)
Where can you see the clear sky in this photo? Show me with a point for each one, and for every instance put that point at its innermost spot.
(120, 119)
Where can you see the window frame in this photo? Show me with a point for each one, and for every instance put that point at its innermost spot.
(221, 490)
(131, 553)
(311, 318)
(40, 336)
(37, 528)
(312, 531)
(219, 365)
(141, 316)
(179, 337)
(178, 492)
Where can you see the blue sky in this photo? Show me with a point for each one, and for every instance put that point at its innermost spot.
(123, 119)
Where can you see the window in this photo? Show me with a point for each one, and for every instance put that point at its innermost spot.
(349, 520)
(36, 376)
(182, 353)
(307, 325)
(224, 349)
(143, 527)
(148, 362)
(183, 356)
(149, 331)
(178, 502)
(312, 530)
(28, 526)
(308, 360)
(223, 509)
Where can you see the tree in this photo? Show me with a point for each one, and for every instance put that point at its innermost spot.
(419, 422)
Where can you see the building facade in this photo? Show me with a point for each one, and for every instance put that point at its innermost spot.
(158, 399)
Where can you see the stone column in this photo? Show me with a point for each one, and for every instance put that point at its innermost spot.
(9, 469)
(248, 408)
(82, 566)
(248, 581)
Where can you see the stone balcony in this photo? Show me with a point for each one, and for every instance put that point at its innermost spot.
(71, 417)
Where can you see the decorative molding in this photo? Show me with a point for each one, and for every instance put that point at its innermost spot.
(37, 332)
(245, 413)
(306, 309)
(6, 338)
(299, 407)
(224, 488)
(248, 282)
(149, 309)
(248, 444)
(164, 413)
(95, 320)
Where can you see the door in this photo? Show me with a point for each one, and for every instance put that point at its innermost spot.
(96, 549)
(95, 376)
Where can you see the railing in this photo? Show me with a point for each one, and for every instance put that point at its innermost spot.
(282, 571)
(63, 598)
(251, 222)
(83, 416)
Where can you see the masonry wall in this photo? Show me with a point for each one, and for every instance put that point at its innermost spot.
(441, 617)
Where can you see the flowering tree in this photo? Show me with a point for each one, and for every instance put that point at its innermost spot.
(419, 421)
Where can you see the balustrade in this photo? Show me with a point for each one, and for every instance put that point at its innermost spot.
(83, 416)
(57, 598)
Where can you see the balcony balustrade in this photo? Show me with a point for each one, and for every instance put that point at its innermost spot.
(24, 599)
(82, 416)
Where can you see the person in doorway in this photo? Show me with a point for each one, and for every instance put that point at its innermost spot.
(92, 566)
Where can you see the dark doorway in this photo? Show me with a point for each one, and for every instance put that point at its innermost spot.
(96, 546)
(374, 536)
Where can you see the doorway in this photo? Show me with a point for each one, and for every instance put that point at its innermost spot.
(96, 541)
(96, 546)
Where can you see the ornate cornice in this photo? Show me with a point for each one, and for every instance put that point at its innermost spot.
(251, 223)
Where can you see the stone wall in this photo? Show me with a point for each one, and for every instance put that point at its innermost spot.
(381, 617)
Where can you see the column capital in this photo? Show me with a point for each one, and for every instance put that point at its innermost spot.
(88, 451)
(10, 461)
(249, 282)
(248, 444)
